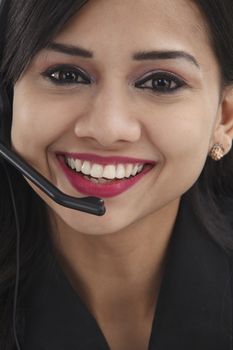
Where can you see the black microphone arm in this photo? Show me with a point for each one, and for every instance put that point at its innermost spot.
(91, 205)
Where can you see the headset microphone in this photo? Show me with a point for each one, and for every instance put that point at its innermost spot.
(91, 205)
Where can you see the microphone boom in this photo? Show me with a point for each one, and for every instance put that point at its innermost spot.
(91, 205)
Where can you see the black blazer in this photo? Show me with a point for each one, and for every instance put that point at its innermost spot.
(194, 308)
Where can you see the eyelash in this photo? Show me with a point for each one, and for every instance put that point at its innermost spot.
(72, 73)
(161, 82)
(165, 79)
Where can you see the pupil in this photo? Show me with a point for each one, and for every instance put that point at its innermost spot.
(161, 83)
(68, 76)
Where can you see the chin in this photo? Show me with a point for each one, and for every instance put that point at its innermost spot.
(74, 221)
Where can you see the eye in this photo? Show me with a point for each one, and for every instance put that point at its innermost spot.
(161, 82)
(67, 75)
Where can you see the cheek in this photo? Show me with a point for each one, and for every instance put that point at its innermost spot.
(39, 120)
(181, 138)
(181, 131)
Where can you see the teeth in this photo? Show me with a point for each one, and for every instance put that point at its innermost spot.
(97, 171)
(78, 165)
(128, 170)
(100, 172)
(120, 171)
(102, 181)
(135, 169)
(86, 168)
(71, 163)
(140, 168)
(92, 179)
(109, 172)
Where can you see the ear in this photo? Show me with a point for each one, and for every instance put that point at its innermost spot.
(223, 133)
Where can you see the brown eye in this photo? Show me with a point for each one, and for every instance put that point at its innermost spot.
(64, 75)
(161, 83)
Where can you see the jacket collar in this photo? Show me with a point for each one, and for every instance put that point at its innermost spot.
(193, 311)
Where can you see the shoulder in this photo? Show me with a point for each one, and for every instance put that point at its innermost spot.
(226, 204)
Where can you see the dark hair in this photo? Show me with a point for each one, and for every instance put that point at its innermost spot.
(19, 42)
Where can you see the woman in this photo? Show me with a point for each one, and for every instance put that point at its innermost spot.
(132, 102)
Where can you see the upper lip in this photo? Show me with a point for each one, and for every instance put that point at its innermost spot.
(105, 160)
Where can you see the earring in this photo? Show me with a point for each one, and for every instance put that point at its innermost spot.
(217, 152)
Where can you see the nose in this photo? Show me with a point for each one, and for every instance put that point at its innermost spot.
(109, 120)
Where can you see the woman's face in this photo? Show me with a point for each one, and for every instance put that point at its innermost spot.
(131, 79)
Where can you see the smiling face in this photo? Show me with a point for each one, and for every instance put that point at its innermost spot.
(135, 80)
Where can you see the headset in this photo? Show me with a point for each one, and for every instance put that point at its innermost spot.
(91, 205)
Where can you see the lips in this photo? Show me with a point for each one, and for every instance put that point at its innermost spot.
(104, 160)
(101, 187)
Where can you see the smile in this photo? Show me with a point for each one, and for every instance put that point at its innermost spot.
(103, 176)
(104, 172)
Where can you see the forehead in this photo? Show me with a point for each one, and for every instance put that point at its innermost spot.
(130, 23)
(114, 30)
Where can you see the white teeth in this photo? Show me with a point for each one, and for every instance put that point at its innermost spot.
(109, 172)
(135, 169)
(140, 168)
(78, 165)
(128, 170)
(101, 172)
(102, 181)
(86, 167)
(97, 171)
(72, 163)
(120, 171)
(92, 179)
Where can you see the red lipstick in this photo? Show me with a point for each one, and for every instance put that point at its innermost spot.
(102, 190)
(105, 160)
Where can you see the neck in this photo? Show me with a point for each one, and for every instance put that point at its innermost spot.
(117, 270)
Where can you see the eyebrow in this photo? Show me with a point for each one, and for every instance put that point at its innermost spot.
(70, 50)
(165, 55)
(138, 56)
